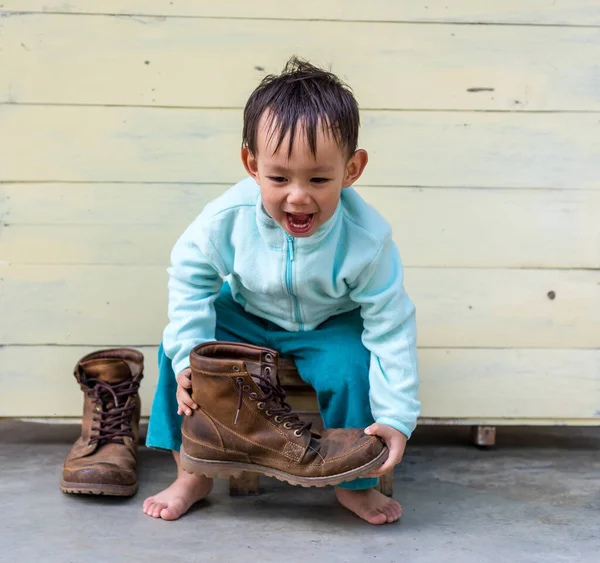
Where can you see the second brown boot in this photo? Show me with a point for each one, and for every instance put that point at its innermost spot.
(244, 424)
(103, 460)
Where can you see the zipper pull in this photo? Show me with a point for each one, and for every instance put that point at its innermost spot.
(291, 247)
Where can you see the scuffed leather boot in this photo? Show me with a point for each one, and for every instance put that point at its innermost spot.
(103, 460)
(244, 424)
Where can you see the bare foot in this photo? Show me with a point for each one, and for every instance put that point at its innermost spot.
(176, 500)
(370, 505)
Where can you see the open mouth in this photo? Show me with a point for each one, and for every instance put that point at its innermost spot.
(299, 224)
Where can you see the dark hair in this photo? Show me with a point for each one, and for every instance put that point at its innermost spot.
(307, 94)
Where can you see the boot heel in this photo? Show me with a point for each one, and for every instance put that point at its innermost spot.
(209, 468)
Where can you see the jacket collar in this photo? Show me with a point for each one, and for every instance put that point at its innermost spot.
(276, 237)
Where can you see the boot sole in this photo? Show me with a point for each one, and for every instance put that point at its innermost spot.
(226, 469)
(96, 489)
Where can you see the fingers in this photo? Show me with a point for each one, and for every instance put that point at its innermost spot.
(182, 409)
(381, 430)
(395, 454)
(184, 378)
(387, 466)
(185, 402)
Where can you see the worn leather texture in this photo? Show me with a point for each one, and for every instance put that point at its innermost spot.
(106, 452)
(243, 417)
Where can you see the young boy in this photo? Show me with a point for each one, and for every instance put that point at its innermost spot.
(310, 270)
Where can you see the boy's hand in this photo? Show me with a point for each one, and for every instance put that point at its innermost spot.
(396, 443)
(185, 404)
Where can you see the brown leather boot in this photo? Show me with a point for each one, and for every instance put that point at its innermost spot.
(103, 460)
(244, 424)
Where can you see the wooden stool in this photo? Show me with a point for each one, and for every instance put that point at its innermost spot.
(303, 399)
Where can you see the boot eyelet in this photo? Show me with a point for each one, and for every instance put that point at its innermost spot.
(261, 406)
(246, 387)
(269, 413)
(239, 380)
(277, 419)
(287, 425)
(253, 396)
(268, 357)
(297, 433)
(267, 370)
(235, 368)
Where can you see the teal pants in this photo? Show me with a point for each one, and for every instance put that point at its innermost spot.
(332, 359)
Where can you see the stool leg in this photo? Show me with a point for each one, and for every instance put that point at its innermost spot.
(386, 484)
(246, 484)
(484, 436)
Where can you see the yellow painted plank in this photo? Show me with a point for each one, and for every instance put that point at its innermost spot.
(172, 62)
(55, 392)
(459, 384)
(493, 228)
(490, 421)
(105, 204)
(479, 308)
(82, 304)
(408, 148)
(572, 12)
(94, 224)
(510, 383)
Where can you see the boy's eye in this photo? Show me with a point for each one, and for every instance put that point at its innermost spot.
(277, 179)
(319, 180)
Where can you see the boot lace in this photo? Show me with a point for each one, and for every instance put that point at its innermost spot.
(273, 402)
(113, 415)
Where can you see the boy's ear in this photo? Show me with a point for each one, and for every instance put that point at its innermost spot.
(355, 167)
(250, 163)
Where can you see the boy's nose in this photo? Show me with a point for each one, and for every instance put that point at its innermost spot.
(297, 196)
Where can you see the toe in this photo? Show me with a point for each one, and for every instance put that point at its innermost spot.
(170, 513)
(157, 508)
(147, 503)
(398, 512)
(389, 513)
(397, 509)
(374, 516)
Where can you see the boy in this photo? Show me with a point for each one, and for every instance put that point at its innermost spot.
(311, 272)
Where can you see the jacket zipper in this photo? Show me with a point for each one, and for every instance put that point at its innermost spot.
(289, 282)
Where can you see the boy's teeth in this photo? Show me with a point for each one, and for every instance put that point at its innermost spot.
(299, 220)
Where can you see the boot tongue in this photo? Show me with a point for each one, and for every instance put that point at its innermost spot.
(254, 369)
(109, 370)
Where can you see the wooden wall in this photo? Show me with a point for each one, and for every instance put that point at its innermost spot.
(120, 119)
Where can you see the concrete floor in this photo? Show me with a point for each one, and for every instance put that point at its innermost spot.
(534, 498)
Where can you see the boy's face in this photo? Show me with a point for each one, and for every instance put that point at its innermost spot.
(303, 191)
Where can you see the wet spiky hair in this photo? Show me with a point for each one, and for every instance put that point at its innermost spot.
(307, 95)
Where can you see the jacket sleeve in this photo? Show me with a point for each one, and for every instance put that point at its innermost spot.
(194, 285)
(390, 335)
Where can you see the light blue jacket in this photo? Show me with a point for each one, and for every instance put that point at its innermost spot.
(298, 283)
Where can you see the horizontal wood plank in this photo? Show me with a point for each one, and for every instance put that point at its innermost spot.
(476, 308)
(172, 62)
(458, 384)
(548, 12)
(105, 204)
(94, 224)
(406, 148)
